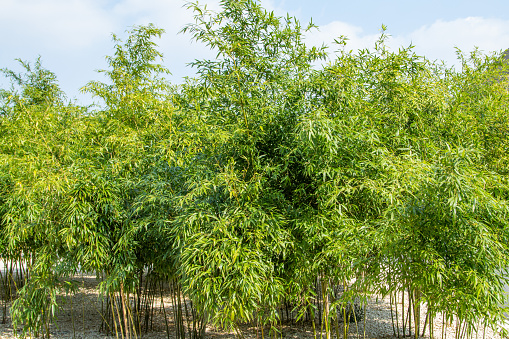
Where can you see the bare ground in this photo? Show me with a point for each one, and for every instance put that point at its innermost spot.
(82, 319)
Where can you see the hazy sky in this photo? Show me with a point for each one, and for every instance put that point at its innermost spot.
(74, 36)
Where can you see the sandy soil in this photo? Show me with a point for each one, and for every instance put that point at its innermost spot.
(83, 320)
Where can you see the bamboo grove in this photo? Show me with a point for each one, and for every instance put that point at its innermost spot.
(264, 189)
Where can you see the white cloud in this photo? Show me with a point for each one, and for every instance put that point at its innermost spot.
(61, 24)
(171, 14)
(73, 36)
(436, 41)
(328, 33)
(282, 9)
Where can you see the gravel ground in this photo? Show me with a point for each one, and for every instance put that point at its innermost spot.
(85, 311)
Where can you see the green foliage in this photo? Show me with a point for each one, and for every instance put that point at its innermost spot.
(38, 87)
(263, 180)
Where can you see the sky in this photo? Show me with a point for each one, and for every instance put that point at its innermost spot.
(73, 37)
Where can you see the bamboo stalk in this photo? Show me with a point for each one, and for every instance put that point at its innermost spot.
(164, 310)
(325, 298)
(392, 315)
(72, 318)
(396, 308)
(409, 312)
(431, 326)
(443, 325)
(119, 316)
(403, 310)
(112, 301)
(83, 282)
(129, 312)
(124, 311)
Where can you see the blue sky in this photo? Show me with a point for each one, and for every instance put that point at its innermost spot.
(74, 36)
(401, 16)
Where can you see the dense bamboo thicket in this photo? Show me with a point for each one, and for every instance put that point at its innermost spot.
(265, 188)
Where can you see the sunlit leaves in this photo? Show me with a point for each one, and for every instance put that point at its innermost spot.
(263, 175)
